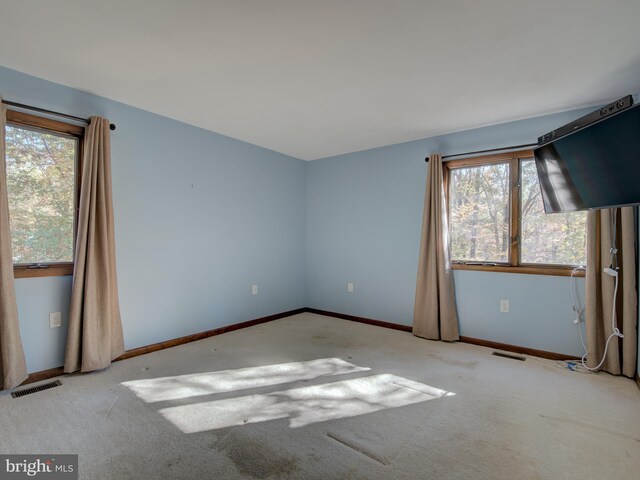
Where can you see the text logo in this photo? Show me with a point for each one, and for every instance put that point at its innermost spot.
(51, 467)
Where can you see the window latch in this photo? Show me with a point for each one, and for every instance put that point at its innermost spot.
(38, 265)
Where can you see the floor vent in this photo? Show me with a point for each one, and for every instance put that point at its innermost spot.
(39, 388)
(509, 355)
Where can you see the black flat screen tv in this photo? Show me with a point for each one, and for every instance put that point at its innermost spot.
(597, 166)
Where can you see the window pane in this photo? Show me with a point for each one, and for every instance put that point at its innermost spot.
(41, 185)
(479, 213)
(553, 239)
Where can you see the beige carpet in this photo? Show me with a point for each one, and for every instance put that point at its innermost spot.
(311, 397)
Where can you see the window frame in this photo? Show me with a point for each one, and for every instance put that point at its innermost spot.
(47, 125)
(515, 264)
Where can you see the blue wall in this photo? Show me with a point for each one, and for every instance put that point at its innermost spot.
(200, 217)
(364, 214)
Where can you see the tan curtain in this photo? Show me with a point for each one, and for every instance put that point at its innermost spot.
(621, 354)
(95, 336)
(13, 369)
(434, 315)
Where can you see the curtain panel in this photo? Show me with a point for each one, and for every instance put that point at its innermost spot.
(606, 228)
(94, 337)
(435, 315)
(13, 369)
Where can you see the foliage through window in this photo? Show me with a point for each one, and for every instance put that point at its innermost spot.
(479, 213)
(41, 185)
(496, 216)
(554, 239)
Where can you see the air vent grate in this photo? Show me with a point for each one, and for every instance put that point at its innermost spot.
(39, 388)
(509, 355)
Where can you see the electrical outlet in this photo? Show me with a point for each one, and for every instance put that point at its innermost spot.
(55, 319)
(504, 306)
(254, 289)
(350, 287)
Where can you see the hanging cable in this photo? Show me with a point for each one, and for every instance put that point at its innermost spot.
(578, 309)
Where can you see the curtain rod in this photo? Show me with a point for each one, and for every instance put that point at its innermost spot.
(112, 126)
(514, 147)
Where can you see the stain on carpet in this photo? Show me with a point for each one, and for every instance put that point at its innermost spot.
(254, 457)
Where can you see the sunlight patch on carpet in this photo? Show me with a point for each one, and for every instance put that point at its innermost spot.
(305, 405)
(198, 384)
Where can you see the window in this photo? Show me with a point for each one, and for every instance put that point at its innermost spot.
(42, 184)
(497, 220)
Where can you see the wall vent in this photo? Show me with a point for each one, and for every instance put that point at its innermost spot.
(38, 388)
(509, 355)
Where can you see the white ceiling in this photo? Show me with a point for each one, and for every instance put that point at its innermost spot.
(316, 78)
